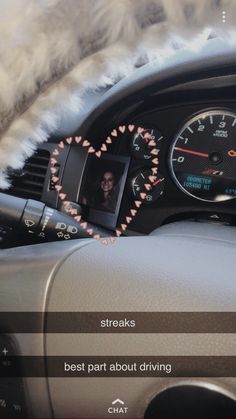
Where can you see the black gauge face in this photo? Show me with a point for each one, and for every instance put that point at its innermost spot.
(145, 189)
(139, 145)
(203, 156)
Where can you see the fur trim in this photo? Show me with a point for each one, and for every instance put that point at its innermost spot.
(54, 50)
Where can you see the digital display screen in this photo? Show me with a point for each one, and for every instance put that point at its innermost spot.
(103, 187)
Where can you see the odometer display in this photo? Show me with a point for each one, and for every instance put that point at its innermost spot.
(203, 156)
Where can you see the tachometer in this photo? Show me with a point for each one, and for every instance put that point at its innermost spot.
(203, 156)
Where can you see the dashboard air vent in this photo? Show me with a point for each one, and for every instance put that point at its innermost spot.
(29, 182)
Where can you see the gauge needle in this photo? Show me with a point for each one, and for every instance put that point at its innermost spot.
(195, 153)
(157, 181)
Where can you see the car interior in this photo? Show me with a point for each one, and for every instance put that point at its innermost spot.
(118, 243)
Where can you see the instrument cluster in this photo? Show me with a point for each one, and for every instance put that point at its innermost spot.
(196, 167)
(201, 160)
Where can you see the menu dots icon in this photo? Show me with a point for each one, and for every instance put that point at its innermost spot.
(224, 16)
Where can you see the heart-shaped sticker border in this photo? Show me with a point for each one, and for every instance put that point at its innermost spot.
(81, 142)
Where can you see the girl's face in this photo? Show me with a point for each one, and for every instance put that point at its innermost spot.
(107, 182)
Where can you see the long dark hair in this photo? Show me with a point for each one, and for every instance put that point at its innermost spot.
(112, 194)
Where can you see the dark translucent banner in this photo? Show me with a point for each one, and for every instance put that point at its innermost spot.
(118, 322)
(121, 366)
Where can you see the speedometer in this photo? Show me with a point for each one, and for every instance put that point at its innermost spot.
(203, 156)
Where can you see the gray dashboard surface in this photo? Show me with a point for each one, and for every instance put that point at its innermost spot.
(179, 269)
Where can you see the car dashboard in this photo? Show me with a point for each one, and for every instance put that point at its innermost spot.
(170, 156)
(155, 149)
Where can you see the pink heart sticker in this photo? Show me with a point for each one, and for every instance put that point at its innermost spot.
(140, 130)
(131, 128)
(154, 152)
(58, 188)
(86, 143)
(84, 225)
(152, 179)
(73, 211)
(79, 141)
(98, 153)
(114, 133)
(138, 203)
(104, 147)
(152, 143)
(55, 179)
(69, 140)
